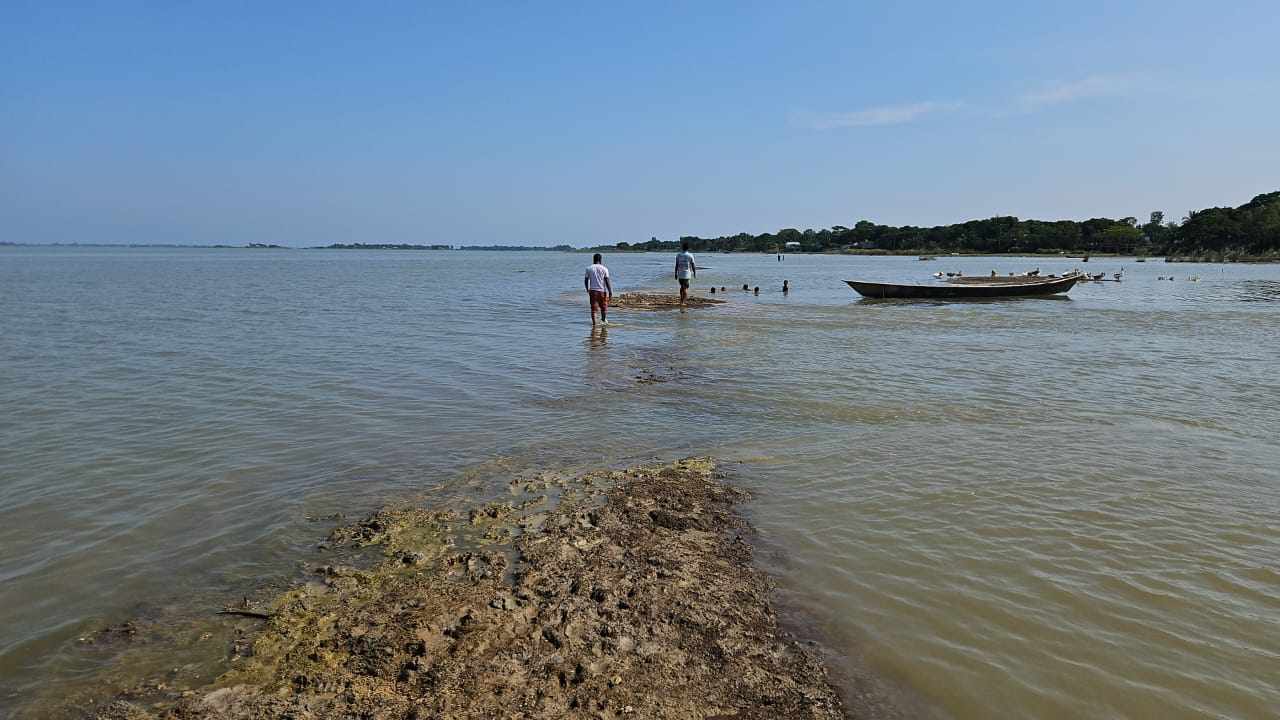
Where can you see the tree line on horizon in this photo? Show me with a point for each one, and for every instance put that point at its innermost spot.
(1251, 231)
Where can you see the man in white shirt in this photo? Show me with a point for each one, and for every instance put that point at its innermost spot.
(599, 289)
(686, 270)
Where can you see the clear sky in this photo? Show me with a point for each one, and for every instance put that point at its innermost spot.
(546, 123)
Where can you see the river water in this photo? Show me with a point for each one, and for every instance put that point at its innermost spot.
(1049, 508)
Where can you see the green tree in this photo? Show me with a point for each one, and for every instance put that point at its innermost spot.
(1121, 237)
(1253, 228)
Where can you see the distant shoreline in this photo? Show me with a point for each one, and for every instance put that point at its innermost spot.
(1218, 258)
(1248, 233)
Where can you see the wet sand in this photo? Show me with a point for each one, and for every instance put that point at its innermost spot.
(622, 594)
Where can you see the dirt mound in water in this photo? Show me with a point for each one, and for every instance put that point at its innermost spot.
(657, 301)
(633, 598)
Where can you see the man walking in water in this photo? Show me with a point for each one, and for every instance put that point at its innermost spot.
(599, 289)
(686, 270)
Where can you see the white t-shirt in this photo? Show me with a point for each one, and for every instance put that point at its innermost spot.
(596, 275)
(684, 266)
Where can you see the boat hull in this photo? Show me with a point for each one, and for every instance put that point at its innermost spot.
(963, 292)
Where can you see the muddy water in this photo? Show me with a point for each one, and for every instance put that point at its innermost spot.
(1047, 508)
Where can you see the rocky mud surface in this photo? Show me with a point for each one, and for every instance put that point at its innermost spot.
(632, 597)
(658, 301)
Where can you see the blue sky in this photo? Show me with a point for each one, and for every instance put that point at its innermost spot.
(522, 123)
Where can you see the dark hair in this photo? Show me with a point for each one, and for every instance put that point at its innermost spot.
(597, 258)
(684, 246)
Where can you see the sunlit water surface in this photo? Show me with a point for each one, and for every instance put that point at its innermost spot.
(1051, 508)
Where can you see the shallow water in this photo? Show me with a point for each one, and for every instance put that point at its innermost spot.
(1050, 508)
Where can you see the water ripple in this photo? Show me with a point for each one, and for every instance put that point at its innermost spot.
(1046, 509)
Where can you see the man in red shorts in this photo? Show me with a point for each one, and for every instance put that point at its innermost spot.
(598, 288)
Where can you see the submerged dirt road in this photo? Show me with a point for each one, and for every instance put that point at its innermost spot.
(633, 597)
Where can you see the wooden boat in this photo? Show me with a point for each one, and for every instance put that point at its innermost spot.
(997, 279)
(965, 291)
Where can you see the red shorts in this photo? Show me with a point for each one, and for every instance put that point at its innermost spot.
(600, 299)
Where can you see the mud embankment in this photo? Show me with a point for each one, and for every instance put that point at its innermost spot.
(633, 597)
(659, 301)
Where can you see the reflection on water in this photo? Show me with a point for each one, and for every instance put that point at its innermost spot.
(1061, 507)
(599, 337)
(1258, 290)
